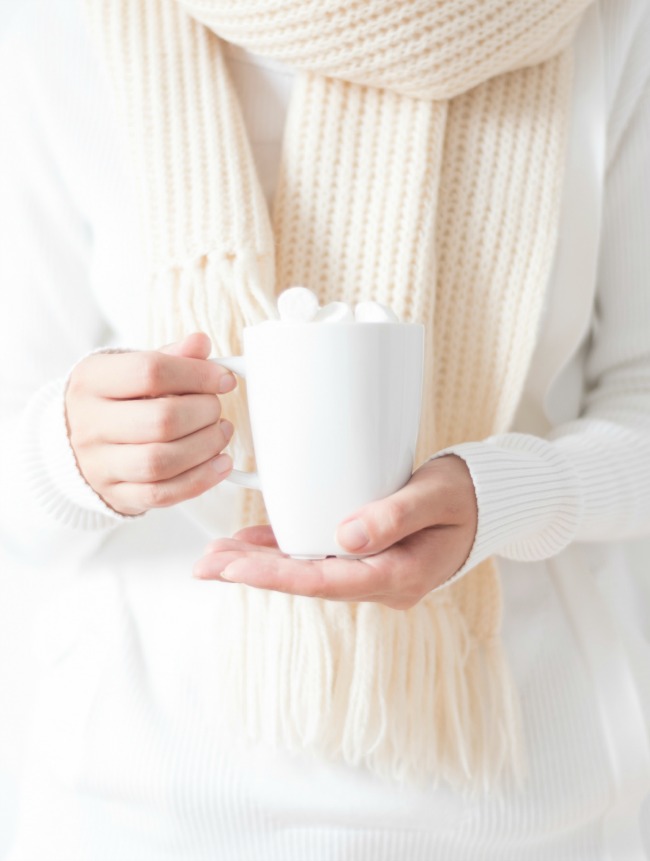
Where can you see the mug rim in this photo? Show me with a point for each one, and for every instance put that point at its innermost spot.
(333, 324)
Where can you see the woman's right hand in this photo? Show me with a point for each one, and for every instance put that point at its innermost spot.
(145, 426)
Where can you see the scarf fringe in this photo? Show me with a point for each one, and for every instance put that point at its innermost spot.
(409, 695)
(219, 293)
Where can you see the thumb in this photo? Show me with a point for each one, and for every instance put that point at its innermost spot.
(194, 346)
(382, 523)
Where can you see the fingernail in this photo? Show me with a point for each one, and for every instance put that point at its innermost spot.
(229, 574)
(222, 463)
(226, 428)
(227, 383)
(352, 535)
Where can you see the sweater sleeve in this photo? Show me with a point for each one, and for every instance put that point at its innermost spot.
(589, 479)
(49, 320)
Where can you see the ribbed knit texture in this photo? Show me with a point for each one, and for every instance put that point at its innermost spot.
(422, 167)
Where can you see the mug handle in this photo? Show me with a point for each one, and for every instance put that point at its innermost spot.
(237, 365)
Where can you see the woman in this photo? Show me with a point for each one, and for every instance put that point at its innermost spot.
(507, 180)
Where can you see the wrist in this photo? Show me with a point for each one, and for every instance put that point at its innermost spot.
(70, 476)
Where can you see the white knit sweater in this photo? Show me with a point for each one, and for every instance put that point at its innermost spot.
(121, 761)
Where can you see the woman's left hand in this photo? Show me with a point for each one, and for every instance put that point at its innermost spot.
(419, 537)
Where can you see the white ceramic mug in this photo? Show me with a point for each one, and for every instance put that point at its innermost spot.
(334, 412)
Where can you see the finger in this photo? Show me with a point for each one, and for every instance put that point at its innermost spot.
(194, 346)
(260, 535)
(150, 374)
(398, 577)
(127, 496)
(332, 578)
(155, 420)
(420, 563)
(434, 496)
(159, 461)
(222, 544)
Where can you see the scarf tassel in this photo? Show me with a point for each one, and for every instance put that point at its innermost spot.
(401, 693)
(218, 293)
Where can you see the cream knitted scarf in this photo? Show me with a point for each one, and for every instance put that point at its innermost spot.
(422, 167)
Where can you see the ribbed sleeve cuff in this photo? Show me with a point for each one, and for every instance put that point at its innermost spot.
(528, 497)
(50, 468)
(612, 459)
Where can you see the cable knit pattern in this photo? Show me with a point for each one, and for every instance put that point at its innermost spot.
(422, 166)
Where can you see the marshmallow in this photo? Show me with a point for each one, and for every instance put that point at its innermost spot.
(297, 305)
(300, 305)
(335, 312)
(374, 312)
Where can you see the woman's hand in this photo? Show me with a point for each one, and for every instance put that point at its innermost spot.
(145, 426)
(420, 536)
